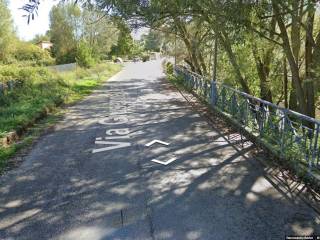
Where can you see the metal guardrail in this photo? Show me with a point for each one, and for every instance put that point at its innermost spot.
(293, 136)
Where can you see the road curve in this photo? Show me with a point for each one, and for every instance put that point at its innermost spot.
(96, 177)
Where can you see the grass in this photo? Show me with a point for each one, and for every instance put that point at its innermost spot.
(32, 133)
(42, 92)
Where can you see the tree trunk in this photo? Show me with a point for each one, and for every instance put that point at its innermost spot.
(190, 64)
(308, 82)
(295, 43)
(293, 102)
(285, 82)
(291, 59)
(263, 69)
(202, 63)
(232, 57)
(190, 48)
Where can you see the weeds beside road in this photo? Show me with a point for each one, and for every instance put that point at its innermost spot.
(41, 92)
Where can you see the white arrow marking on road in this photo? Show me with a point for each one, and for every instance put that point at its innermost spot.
(156, 141)
(164, 163)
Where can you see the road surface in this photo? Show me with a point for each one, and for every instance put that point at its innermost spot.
(94, 177)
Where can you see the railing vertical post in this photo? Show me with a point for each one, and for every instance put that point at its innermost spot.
(214, 93)
(283, 129)
(234, 107)
(309, 155)
(205, 87)
(315, 146)
(276, 125)
(262, 117)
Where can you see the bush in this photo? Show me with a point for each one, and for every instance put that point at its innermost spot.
(66, 57)
(9, 72)
(24, 74)
(145, 58)
(169, 68)
(84, 55)
(32, 53)
(43, 91)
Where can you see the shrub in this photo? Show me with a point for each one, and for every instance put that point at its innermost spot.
(28, 75)
(30, 52)
(145, 58)
(66, 57)
(84, 55)
(169, 68)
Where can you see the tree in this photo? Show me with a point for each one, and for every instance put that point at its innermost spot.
(300, 17)
(125, 42)
(281, 40)
(41, 37)
(71, 27)
(84, 55)
(7, 34)
(152, 41)
(99, 31)
(65, 31)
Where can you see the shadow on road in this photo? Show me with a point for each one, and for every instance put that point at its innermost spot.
(214, 190)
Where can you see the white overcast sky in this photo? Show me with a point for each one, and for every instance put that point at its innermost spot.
(41, 23)
(38, 26)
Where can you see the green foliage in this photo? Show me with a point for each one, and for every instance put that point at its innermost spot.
(252, 42)
(13, 50)
(152, 41)
(23, 74)
(29, 52)
(84, 55)
(169, 68)
(71, 26)
(145, 57)
(39, 37)
(5, 153)
(124, 44)
(64, 31)
(137, 49)
(174, 79)
(7, 36)
(99, 32)
(24, 103)
(44, 89)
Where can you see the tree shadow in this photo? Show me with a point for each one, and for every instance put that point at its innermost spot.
(214, 190)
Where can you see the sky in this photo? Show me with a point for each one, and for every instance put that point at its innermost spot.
(41, 22)
(38, 26)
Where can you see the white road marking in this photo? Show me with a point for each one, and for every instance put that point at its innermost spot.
(116, 146)
(118, 131)
(116, 137)
(156, 141)
(164, 163)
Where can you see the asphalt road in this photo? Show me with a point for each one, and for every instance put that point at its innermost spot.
(94, 177)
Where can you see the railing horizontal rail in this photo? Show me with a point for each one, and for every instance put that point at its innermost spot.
(292, 135)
